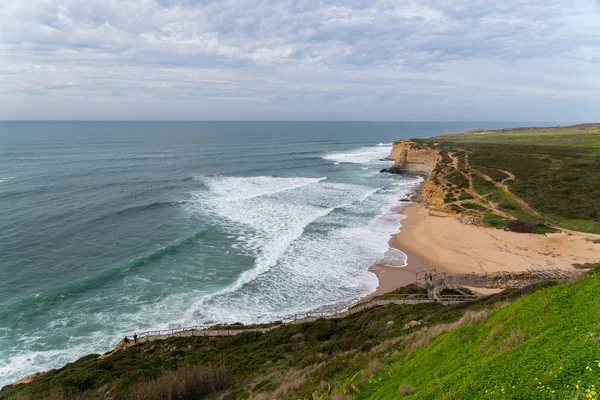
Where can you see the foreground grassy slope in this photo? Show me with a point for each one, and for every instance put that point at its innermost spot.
(529, 342)
(543, 177)
(545, 345)
(285, 362)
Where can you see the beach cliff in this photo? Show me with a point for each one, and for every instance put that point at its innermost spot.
(411, 158)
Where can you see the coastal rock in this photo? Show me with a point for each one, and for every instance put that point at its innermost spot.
(432, 194)
(410, 159)
(29, 378)
(411, 324)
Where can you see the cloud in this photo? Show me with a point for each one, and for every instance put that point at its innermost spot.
(380, 59)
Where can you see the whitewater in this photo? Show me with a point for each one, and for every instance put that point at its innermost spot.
(115, 228)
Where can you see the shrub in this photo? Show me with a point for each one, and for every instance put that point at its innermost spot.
(188, 382)
(595, 270)
(372, 368)
(405, 390)
(465, 196)
(520, 226)
(505, 205)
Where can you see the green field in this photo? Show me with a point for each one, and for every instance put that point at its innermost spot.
(557, 175)
(576, 139)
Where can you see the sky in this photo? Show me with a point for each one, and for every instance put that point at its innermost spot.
(417, 60)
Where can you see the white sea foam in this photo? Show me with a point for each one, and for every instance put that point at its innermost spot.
(310, 253)
(275, 210)
(312, 240)
(6, 178)
(364, 155)
(230, 189)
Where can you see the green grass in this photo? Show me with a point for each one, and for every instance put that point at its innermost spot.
(547, 336)
(458, 179)
(576, 139)
(494, 221)
(508, 204)
(557, 173)
(472, 206)
(496, 175)
(328, 349)
(540, 347)
(482, 186)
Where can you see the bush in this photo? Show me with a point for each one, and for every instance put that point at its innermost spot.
(405, 390)
(187, 382)
(520, 226)
(505, 205)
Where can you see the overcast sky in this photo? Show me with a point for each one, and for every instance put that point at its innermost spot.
(439, 60)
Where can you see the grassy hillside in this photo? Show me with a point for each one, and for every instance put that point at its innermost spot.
(545, 345)
(518, 344)
(547, 178)
(288, 361)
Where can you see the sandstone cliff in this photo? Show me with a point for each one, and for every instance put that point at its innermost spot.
(411, 159)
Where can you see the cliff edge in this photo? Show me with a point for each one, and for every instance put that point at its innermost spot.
(412, 158)
(408, 157)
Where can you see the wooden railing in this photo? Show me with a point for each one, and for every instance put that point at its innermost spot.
(229, 330)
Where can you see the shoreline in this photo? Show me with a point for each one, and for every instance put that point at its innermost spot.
(460, 249)
(392, 277)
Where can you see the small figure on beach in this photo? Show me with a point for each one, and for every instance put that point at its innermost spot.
(431, 277)
(126, 340)
(135, 337)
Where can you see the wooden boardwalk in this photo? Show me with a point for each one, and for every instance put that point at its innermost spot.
(204, 331)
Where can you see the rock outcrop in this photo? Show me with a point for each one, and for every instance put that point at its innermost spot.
(29, 378)
(410, 159)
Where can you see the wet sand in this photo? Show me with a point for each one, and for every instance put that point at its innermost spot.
(392, 277)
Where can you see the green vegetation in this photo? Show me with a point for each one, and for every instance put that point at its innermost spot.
(557, 175)
(482, 186)
(494, 220)
(289, 360)
(458, 179)
(495, 174)
(542, 341)
(574, 139)
(545, 345)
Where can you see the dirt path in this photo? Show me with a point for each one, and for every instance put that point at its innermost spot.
(478, 199)
(505, 187)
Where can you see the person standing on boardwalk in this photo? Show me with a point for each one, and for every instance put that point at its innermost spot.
(135, 337)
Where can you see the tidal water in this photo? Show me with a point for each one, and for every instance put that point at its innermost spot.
(107, 228)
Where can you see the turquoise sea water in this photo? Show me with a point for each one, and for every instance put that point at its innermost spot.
(107, 228)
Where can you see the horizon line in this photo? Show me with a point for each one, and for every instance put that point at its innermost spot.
(287, 121)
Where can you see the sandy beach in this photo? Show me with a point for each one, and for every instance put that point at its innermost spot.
(449, 245)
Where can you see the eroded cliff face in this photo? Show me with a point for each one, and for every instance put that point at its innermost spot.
(410, 158)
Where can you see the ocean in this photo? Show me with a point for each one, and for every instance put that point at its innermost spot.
(110, 228)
